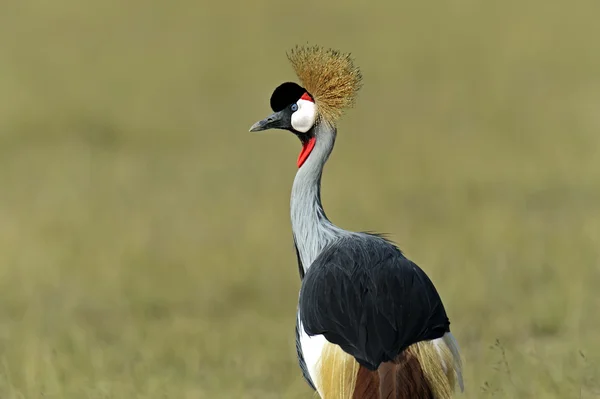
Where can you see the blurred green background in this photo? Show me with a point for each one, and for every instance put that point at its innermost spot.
(145, 243)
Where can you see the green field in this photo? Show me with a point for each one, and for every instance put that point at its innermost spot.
(145, 242)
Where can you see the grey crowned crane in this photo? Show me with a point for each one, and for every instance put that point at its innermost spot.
(370, 323)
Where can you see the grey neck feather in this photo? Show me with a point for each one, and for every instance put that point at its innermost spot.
(312, 230)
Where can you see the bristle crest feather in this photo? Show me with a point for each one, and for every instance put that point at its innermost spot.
(330, 77)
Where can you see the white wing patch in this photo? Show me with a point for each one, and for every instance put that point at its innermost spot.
(312, 347)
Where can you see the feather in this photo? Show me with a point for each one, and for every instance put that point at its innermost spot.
(329, 76)
(388, 380)
(429, 364)
(337, 373)
(417, 372)
(452, 345)
(362, 294)
(367, 384)
(411, 380)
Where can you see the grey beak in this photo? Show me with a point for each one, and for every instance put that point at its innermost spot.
(273, 121)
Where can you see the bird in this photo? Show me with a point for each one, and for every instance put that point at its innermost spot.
(370, 323)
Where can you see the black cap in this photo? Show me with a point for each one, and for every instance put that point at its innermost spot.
(286, 94)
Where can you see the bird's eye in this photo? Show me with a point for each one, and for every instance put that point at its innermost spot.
(294, 107)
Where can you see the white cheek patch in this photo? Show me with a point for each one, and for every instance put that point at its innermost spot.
(304, 118)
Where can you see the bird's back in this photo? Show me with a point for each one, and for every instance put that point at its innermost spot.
(383, 313)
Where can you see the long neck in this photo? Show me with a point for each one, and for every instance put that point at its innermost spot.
(312, 230)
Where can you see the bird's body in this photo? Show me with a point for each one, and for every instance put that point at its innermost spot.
(370, 323)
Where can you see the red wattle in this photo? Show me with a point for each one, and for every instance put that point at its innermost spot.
(306, 149)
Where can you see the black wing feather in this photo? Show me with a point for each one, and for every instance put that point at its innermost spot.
(362, 294)
(300, 267)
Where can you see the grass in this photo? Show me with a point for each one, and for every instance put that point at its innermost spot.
(145, 245)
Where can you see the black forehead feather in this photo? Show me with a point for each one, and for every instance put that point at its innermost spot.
(286, 94)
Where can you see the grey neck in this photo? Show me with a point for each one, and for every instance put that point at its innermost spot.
(312, 230)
